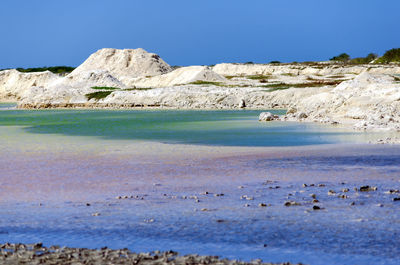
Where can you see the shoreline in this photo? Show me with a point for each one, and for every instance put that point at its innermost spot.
(37, 253)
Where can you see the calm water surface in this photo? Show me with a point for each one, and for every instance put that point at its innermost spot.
(54, 162)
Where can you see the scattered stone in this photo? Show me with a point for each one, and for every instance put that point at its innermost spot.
(331, 192)
(204, 193)
(292, 203)
(95, 214)
(302, 115)
(197, 200)
(240, 187)
(262, 205)
(26, 254)
(267, 116)
(343, 196)
(219, 195)
(396, 199)
(275, 187)
(204, 209)
(313, 196)
(247, 205)
(149, 220)
(220, 221)
(305, 185)
(321, 185)
(345, 190)
(368, 188)
(352, 203)
(315, 201)
(392, 191)
(87, 204)
(316, 207)
(379, 205)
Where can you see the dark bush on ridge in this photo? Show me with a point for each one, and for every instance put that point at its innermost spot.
(390, 56)
(53, 69)
(344, 57)
(364, 60)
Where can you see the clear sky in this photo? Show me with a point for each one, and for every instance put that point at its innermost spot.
(192, 32)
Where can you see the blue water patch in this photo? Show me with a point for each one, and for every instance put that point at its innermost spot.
(225, 128)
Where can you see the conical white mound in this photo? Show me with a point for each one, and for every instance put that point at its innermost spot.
(122, 64)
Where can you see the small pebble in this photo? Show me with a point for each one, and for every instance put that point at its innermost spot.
(316, 207)
(313, 196)
(95, 214)
(262, 205)
(368, 188)
(292, 203)
(345, 190)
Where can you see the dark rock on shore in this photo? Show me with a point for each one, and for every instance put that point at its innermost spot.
(37, 254)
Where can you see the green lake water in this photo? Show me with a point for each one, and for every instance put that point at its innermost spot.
(225, 128)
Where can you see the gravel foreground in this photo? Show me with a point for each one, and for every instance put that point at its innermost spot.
(38, 254)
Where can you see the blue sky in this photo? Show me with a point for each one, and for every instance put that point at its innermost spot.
(190, 32)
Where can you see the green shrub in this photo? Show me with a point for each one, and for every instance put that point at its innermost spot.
(53, 69)
(98, 95)
(105, 88)
(275, 62)
(392, 55)
(258, 77)
(364, 60)
(343, 57)
(137, 88)
(200, 82)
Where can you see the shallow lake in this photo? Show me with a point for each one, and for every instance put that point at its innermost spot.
(59, 167)
(226, 128)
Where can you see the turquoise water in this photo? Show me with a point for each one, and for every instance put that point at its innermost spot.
(4, 106)
(225, 128)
